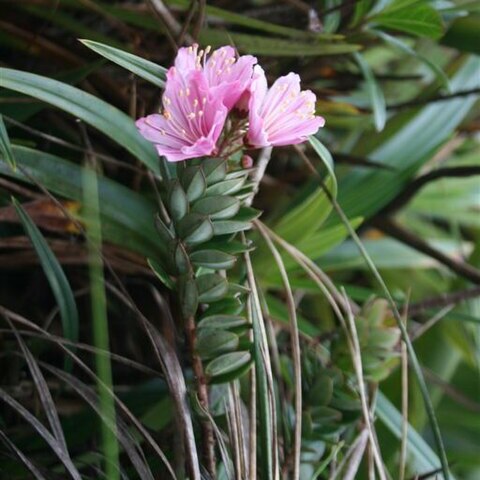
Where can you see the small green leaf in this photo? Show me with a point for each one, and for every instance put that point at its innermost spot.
(212, 342)
(214, 259)
(139, 66)
(228, 363)
(375, 92)
(226, 187)
(217, 206)
(5, 147)
(166, 235)
(162, 275)
(195, 228)
(211, 287)
(194, 183)
(226, 227)
(56, 277)
(227, 306)
(215, 170)
(177, 201)
(188, 295)
(223, 321)
(182, 261)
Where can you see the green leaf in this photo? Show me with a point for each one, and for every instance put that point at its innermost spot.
(417, 18)
(182, 261)
(5, 147)
(228, 363)
(227, 227)
(375, 93)
(214, 259)
(188, 295)
(93, 111)
(194, 182)
(177, 201)
(195, 229)
(211, 287)
(215, 169)
(139, 66)
(226, 187)
(161, 273)
(56, 277)
(217, 206)
(223, 321)
(211, 343)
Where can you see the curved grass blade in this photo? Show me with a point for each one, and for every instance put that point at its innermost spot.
(55, 276)
(43, 432)
(22, 457)
(139, 66)
(42, 389)
(5, 147)
(400, 45)
(93, 111)
(376, 95)
(117, 426)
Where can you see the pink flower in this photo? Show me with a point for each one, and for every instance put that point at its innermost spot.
(227, 77)
(192, 119)
(281, 115)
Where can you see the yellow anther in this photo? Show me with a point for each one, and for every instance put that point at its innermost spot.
(200, 113)
(207, 49)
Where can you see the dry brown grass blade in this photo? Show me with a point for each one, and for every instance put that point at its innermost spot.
(296, 356)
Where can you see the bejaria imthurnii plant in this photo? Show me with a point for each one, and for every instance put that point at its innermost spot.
(216, 106)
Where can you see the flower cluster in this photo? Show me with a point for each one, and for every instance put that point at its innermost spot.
(213, 102)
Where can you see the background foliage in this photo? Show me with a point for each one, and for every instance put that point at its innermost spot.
(95, 377)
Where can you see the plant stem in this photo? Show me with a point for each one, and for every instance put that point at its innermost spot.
(202, 392)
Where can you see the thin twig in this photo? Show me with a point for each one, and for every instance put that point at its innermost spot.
(444, 300)
(202, 391)
(400, 233)
(412, 189)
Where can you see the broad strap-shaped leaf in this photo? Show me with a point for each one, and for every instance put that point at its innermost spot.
(55, 275)
(146, 69)
(5, 147)
(93, 111)
(424, 459)
(307, 217)
(131, 226)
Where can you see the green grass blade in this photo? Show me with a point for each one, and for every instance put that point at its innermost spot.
(401, 45)
(55, 275)
(375, 93)
(93, 111)
(139, 66)
(5, 147)
(98, 299)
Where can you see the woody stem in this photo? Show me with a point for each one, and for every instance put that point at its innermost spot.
(202, 392)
